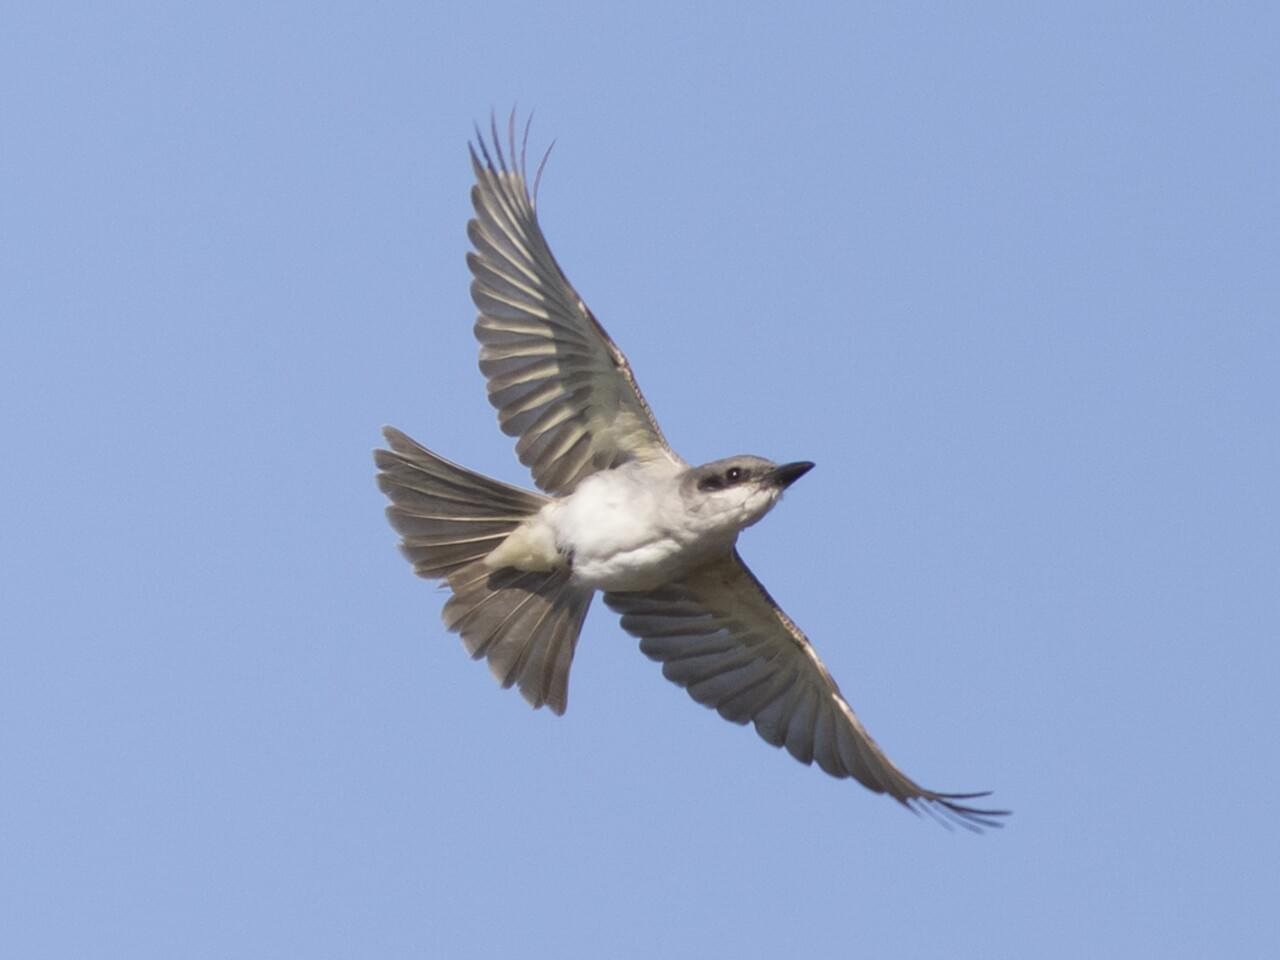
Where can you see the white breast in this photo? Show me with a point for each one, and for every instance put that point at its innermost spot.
(625, 529)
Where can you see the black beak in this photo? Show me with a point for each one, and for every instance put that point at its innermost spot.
(787, 474)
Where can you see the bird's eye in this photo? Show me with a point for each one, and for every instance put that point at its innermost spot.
(733, 474)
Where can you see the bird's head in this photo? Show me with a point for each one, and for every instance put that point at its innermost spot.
(735, 492)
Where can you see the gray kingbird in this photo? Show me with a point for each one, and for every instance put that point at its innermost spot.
(622, 513)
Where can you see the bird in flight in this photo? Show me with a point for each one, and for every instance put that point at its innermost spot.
(620, 513)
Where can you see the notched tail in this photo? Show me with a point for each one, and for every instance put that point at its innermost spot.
(525, 623)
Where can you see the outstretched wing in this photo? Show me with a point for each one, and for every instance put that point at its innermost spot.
(559, 383)
(719, 634)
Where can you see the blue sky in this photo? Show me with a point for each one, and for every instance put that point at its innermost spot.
(1007, 273)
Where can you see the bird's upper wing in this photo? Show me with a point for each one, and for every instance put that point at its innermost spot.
(559, 383)
(719, 634)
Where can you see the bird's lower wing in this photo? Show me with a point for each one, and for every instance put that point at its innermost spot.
(719, 634)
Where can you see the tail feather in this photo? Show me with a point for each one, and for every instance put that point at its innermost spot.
(526, 624)
(447, 515)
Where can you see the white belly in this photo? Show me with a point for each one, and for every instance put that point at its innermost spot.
(625, 529)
